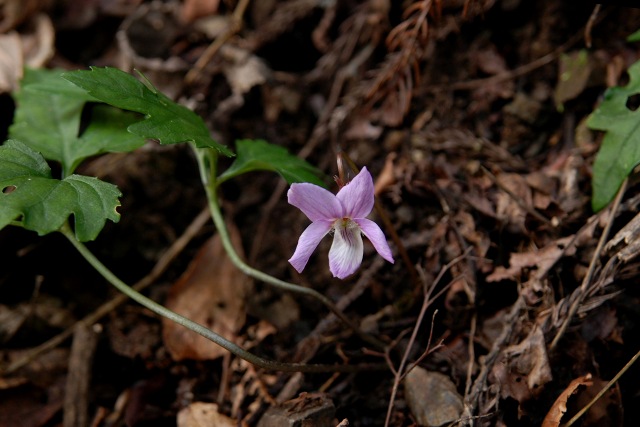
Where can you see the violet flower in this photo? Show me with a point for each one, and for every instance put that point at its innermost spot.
(344, 214)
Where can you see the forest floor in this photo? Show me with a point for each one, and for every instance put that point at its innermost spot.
(507, 303)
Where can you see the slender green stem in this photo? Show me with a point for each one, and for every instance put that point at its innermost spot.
(205, 332)
(210, 184)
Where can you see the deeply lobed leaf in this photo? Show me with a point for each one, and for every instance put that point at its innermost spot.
(48, 120)
(28, 193)
(620, 149)
(166, 121)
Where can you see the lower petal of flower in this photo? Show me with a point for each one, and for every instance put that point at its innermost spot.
(345, 255)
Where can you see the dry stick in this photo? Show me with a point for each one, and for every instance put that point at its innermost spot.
(426, 302)
(516, 72)
(234, 26)
(603, 391)
(592, 266)
(76, 405)
(472, 397)
(163, 263)
(472, 355)
(309, 345)
(590, 23)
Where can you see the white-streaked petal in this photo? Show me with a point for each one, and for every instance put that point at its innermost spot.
(376, 236)
(345, 255)
(357, 195)
(315, 202)
(308, 242)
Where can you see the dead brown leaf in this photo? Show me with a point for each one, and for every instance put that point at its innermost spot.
(560, 405)
(194, 9)
(18, 50)
(211, 292)
(15, 12)
(542, 259)
(525, 368)
(201, 414)
(509, 204)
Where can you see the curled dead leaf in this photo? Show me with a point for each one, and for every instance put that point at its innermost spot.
(560, 405)
(525, 368)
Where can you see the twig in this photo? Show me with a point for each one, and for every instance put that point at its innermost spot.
(76, 405)
(603, 391)
(426, 302)
(516, 72)
(592, 266)
(307, 348)
(590, 23)
(163, 263)
(234, 26)
(472, 357)
(471, 398)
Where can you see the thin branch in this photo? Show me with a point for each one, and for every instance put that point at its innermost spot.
(592, 266)
(603, 391)
(426, 302)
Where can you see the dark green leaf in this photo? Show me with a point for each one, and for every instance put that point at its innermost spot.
(29, 194)
(166, 121)
(620, 150)
(260, 155)
(48, 120)
(635, 37)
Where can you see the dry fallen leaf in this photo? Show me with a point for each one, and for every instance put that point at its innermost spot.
(32, 49)
(211, 292)
(560, 405)
(194, 9)
(201, 414)
(524, 368)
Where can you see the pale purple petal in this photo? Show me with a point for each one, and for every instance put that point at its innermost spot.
(357, 195)
(376, 236)
(315, 202)
(345, 255)
(308, 242)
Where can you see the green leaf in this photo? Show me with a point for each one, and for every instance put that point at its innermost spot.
(29, 194)
(48, 120)
(166, 121)
(620, 149)
(260, 155)
(635, 37)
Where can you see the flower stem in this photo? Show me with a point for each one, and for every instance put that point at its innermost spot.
(196, 327)
(210, 184)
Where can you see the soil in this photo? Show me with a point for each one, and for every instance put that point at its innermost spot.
(502, 303)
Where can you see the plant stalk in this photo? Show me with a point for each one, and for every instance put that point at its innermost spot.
(196, 327)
